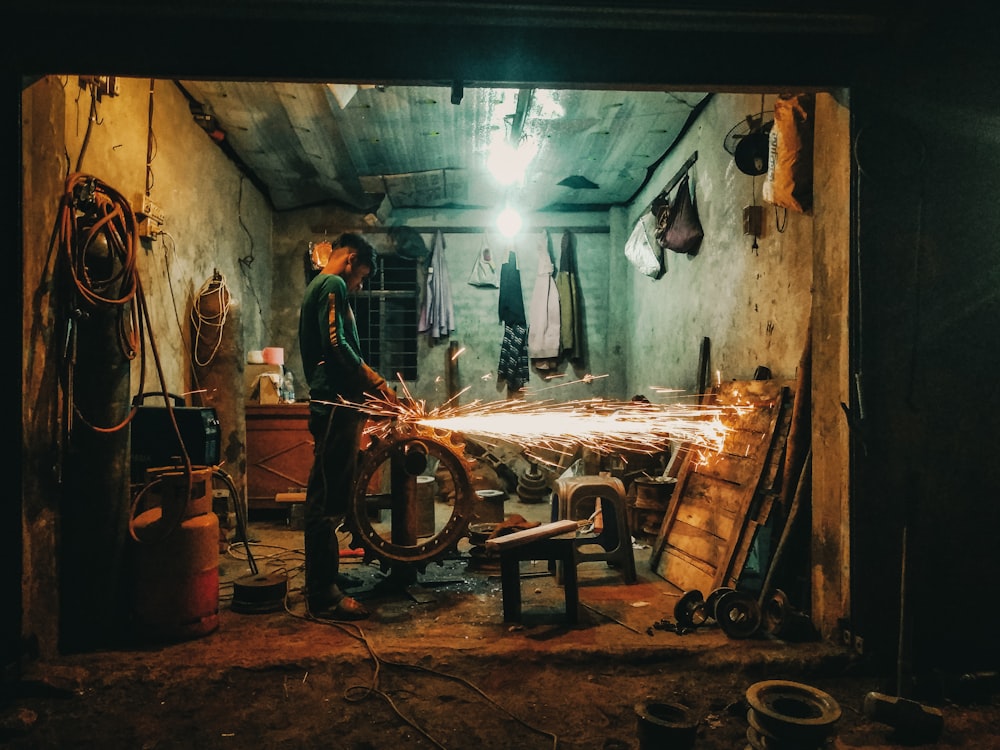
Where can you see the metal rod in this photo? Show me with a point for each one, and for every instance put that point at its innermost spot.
(685, 167)
(613, 619)
(678, 176)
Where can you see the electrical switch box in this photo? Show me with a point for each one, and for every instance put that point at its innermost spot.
(753, 220)
(150, 217)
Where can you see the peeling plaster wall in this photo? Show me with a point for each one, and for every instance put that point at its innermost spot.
(212, 216)
(753, 305)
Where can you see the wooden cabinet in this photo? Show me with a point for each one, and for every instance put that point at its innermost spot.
(279, 451)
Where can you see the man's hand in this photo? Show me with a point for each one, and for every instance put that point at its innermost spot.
(388, 394)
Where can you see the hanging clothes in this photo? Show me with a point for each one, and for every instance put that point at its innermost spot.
(513, 365)
(510, 305)
(437, 316)
(570, 301)
(544, 324)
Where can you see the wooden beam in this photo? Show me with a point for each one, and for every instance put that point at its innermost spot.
(529, 535)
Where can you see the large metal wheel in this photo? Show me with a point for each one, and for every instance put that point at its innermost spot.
(391, 459)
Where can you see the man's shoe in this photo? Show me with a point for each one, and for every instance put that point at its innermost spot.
(346, 609)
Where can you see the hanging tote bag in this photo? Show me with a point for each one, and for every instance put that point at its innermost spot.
(484, 270)
(684, 231)
(641, 248)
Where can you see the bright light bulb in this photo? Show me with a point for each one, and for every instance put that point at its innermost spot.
(509, 222)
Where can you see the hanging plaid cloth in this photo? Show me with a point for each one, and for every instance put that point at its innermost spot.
(513, 366)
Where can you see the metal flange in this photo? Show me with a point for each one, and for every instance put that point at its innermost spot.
(713, 600)
(792, 711)
(689, 611)
(450, 458)
(738, 614)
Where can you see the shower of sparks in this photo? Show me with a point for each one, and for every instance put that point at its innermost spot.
(604, 426)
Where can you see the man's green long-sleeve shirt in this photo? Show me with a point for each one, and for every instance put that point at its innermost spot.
(329, 343)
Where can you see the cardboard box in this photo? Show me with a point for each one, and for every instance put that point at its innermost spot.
(266, 391)
(252, 374)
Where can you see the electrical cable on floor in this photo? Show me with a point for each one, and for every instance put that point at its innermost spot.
(269, 559)
(241, 519)
(358, 693)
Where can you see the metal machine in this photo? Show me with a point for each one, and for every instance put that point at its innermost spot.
(387, 503)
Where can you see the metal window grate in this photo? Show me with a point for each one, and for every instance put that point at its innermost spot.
(387, 316)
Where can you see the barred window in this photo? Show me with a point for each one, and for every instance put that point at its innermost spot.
(388, 314)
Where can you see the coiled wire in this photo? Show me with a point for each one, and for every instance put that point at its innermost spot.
(209, 312)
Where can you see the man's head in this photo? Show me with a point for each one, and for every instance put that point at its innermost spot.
(353, 259)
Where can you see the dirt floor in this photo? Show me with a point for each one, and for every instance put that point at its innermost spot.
(436, 666)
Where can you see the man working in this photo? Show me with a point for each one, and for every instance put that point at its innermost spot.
(334, 368)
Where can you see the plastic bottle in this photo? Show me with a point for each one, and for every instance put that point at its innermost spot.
(287, 394)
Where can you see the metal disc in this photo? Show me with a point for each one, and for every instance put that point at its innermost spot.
(738, 614)
(792, 710)
(713, 600)
(259, 593)
(690, 609)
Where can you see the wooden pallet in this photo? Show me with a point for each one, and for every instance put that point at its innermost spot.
(722, 497)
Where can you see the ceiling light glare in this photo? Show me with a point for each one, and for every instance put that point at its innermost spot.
(504, 164)
(546, 106)
(509, 222)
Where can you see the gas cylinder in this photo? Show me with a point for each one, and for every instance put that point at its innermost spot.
(176, 560)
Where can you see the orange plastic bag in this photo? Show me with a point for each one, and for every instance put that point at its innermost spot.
(789, 181)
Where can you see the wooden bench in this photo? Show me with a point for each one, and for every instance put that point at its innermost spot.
(554, 541)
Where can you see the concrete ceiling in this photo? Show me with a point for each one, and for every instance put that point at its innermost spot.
(428, 146)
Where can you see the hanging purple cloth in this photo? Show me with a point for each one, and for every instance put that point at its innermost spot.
(437, 317)
(513, 366)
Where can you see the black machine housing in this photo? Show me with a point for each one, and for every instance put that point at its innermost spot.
(154, 439)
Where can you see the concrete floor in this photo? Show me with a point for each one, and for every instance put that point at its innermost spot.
(279, 679)
(457, 604)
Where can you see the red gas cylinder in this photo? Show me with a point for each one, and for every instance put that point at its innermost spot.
(176, 571)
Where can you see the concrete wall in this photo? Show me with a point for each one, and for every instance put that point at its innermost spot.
(756, 306)
(753, 305)
(75, 485)
(477, 326)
